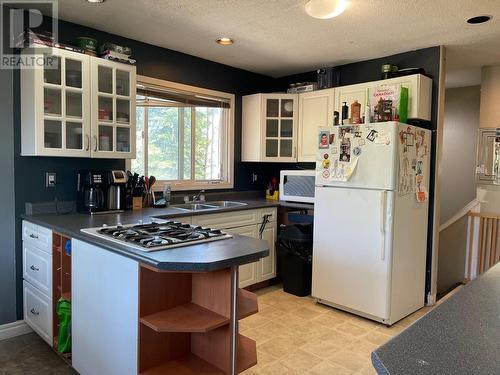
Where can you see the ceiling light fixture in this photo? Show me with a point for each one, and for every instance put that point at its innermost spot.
(96, 1)
(478, 19)
(325, 9)
(224, 41)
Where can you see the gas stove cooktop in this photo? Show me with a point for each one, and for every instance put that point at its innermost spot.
(157, 236)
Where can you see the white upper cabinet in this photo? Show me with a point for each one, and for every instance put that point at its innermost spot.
(60, 113)
(315, 110)
(55, 106)
(350, 94)
(275, 126)
(419, 95)
(113, 109)
(269, 128)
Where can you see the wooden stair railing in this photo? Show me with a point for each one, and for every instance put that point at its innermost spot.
(483, 248)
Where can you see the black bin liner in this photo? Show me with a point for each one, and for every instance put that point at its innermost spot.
(295, 254)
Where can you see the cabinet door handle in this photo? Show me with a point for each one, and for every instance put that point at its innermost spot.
(33, 236)
(34, 268)
(87, 139)
(95, 140)
(34, 312)
(265, 220)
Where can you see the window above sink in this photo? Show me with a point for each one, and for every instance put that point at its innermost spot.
(184, 135)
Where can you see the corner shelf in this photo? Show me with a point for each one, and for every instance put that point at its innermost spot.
(185, 323)
(247, 303)
(189, 317)
(188, 365)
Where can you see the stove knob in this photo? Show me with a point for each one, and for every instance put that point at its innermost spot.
(104, 225)
(119, 225)
(140, 222)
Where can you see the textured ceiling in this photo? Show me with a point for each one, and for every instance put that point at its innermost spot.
(277, 37)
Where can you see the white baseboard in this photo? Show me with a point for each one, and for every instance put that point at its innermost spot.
(14, 329)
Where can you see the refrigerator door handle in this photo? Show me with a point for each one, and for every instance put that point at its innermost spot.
(383, 201)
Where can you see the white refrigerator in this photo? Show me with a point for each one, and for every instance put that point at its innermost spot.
(370, 219)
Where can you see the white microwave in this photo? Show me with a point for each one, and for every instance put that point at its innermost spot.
(297, 185)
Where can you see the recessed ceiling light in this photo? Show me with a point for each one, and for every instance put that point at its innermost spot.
(478, 19)
(324, 9)
(96, 1)
(224, 41)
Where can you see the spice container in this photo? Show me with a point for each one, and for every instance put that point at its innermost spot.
(345, 113)
(356, 112)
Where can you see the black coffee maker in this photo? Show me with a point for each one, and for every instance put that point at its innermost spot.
(91, 190)
(116, 190)
(101, 191)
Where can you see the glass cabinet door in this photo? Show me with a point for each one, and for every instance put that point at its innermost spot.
(66, 122)
(115, 109)
(279, 128)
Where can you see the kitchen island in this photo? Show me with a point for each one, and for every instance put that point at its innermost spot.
(172, 311)
(460, 336)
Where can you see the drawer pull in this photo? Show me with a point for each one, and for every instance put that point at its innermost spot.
(34, 312)
(34, 268)
(33, 236)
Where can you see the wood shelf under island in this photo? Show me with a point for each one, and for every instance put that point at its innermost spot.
(188, 324)
(61, 284)
(61, 279)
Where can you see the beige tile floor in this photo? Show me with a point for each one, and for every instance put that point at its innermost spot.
(296, 336)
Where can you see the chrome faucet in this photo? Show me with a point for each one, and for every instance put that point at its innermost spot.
(198, 197)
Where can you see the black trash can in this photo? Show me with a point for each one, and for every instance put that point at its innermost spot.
(295, 256)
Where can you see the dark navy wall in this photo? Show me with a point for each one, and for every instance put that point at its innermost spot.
(7, 213)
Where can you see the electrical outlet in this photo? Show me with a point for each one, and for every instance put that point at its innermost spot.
(50, 179)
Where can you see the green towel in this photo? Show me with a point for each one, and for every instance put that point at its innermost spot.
(63, 310)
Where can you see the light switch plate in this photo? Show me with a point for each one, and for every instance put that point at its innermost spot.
(50, 179)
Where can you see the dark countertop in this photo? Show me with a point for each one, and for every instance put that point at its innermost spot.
(460, 336)
(208, 256)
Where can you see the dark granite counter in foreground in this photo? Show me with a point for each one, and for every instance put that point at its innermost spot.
(460, 336)
(207, 256)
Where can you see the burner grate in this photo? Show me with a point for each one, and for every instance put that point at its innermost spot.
(161, 235)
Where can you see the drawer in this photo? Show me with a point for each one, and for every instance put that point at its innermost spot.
(30, 231)
(184, 219)
(37, 267)
(44, 239)
(39, 236)
(225, 220)
(38, 312)
(268, 211)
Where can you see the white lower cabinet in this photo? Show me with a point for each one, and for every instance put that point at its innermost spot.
(37, 275)
(38, 311)
(247, 272)
(37, 268)
(267, 265)
(248, 223)
(184, 219)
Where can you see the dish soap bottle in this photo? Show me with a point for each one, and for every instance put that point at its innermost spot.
(167, 194)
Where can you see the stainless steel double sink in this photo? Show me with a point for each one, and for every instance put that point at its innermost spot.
(216, 205)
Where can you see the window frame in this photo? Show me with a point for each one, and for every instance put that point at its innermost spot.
(227, 182)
